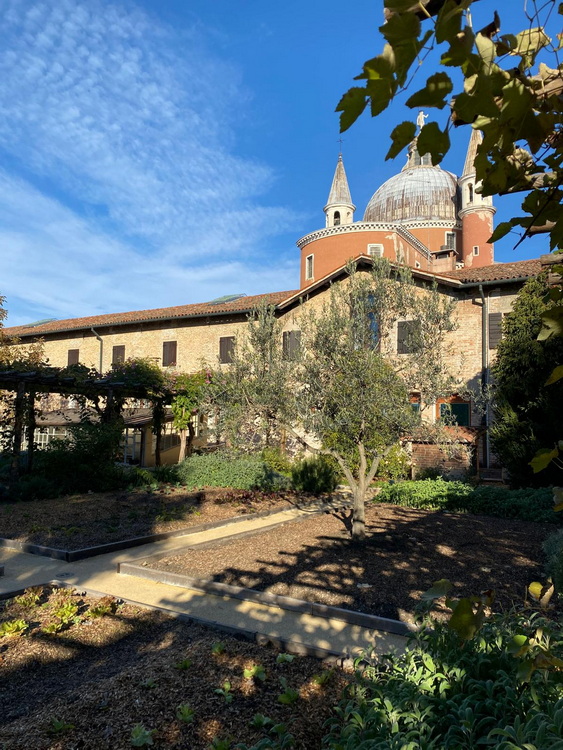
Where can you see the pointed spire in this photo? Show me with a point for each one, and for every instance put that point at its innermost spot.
(339, 208)
(474, 141)
(339, 192)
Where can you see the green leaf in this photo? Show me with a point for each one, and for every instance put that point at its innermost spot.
(543, 458)
(398, 6)
(439, 588)
(464, 621)
(556, 375)
(380, 93)
(448, 22)
(487, 51)
(552, 323)
(437, 87)
(434, 141)
(501, 230)
(558, 499)
(535, 590)
(529, 42)
(460, 49)
(401, 30)
(401, 136)
(351, 105)
(518, 645)
(525, 670)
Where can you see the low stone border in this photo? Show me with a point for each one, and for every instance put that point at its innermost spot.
(262, 639)
(102, 549)
(207, 586)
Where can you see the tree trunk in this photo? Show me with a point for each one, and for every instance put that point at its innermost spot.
(191, 435)
(359, 510)
(19, 407)
(30, 427)
(182, 454)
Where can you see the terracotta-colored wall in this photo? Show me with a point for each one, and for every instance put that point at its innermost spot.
(477, 228)
(334, 251)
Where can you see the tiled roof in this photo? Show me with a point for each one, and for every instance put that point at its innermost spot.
(497, 272)
(242, 304)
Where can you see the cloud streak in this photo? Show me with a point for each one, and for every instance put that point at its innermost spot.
(121, 136)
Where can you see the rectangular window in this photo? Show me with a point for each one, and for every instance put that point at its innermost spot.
(475, 249)
(376, 251)
(450, 240)
(226, 349)
(73, 356)
(495, 329)
(118, 355)
(457, 413)
(291, 344)
(407, 331)
(169, 349)
(309, 269)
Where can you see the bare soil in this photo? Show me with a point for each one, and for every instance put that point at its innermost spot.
(101, 676)
(404, 552)
(79, 521)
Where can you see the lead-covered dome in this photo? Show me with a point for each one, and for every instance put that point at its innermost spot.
(423, 193)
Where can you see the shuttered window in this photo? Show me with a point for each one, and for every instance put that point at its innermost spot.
(456, 413)
(73, 356)
(118, 355)
(226, 349)
(406, 333)
(169, 349)
(495, 329)
(291, 344)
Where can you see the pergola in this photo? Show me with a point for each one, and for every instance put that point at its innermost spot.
(27, 384)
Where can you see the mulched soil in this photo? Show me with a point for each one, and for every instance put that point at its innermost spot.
(103, 675)
(405, 551)
(79, 521)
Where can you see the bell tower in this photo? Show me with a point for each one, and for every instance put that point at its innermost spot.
(339, 208)
(476, 213)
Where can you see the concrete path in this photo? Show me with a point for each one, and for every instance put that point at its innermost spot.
(99, 574)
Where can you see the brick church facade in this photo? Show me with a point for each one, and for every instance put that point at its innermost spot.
(425, 217)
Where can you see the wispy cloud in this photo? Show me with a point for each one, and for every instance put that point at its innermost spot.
(119, 137)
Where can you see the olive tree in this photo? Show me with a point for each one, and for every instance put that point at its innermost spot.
(347, 392)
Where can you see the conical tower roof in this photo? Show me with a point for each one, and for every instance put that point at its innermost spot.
(339, 191)
(474, 141)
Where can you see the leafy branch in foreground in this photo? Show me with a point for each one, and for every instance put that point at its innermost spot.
(508, 86)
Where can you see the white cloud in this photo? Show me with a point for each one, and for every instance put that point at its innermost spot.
(119, 134)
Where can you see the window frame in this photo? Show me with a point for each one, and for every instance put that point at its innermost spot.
(118, 354)
(309, 267)
(291, 344)
(226, 350)
(73, 357)
(402, 346)
(169, 353)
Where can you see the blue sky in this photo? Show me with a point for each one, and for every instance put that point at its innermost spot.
(160, 153)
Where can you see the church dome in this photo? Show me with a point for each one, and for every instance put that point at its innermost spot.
(422, 193)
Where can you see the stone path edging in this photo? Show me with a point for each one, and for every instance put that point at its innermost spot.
(119, 546)
(207, 586)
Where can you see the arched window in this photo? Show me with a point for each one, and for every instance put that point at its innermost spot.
(470, 193)
(336, 218)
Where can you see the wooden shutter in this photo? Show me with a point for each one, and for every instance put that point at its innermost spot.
(405, 332)
(495, 329)
(118, 355)
(291, 344)
(73, 356)
(169, 350)
(226, 349)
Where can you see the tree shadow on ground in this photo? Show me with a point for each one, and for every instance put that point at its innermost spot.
(404, 552)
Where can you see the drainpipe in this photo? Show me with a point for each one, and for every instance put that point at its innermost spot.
(485, 370)
(97, 335)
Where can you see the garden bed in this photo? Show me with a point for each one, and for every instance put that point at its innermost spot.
(92, 682)
(82, 521)
(405, 551)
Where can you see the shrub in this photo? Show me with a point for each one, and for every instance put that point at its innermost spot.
(165, 474)
(315, 475)
(430, 472)
(395, 465)
(445, 693)
(553, 549)
(525, 505)
(220, 470)
(276, 460)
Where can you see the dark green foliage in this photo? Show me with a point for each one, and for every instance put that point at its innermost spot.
(315, 475)
(553, 548)
(525, 505)
(165, 474)
(527, 412)
(443, 694)
(277, 460)
(220, 470)
(395, 465)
